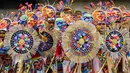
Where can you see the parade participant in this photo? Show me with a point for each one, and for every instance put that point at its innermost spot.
(57, 14)
(67, 15)
(32, 21)
(66, 46)
(3, 49)
(99, 18)
(77, 15)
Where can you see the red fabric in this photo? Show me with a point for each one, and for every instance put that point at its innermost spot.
(58, 49)
(36, 55)
(86, 7)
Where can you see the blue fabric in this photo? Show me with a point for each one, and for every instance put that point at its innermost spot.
(22, 22)
(3, 50)
(128, 54)
(35, 17)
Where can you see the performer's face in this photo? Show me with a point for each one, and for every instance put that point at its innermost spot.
(68, 16)
(50, 12)
(38, 65)
(100, 16)
(31, 22)
(51, 24)
(101, 27)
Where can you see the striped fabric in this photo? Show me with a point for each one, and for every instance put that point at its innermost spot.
(84, 68)
(59, 67)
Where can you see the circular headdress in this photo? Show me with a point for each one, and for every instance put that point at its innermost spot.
(49, 10)
(48, 42)
(99, 15)
(114, 14)
(81, 42)
(22, 41)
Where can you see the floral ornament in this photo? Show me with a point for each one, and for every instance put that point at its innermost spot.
(22, 41)
(80, 45)
(49, 11)
(99, 15)
(60, 24)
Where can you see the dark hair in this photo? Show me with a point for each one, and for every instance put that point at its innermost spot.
(57, 13)
(78, 12)
(67, 10)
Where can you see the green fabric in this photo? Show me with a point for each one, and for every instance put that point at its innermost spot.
(24, 17)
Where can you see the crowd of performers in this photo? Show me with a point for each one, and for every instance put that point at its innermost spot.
(45, 38)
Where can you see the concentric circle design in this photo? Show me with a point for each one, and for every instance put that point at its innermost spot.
(81, 42)
(47, 41)
(114, 41)
(22, 41)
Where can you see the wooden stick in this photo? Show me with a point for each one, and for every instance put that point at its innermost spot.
(76, 68)
(50, 64)
(103, 64)
(117, 66)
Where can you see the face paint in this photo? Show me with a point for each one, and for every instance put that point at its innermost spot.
(114, 15)
(32, 20)
(49, 11)
(99, 15)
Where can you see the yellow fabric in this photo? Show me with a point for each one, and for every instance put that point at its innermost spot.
(1, 44)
